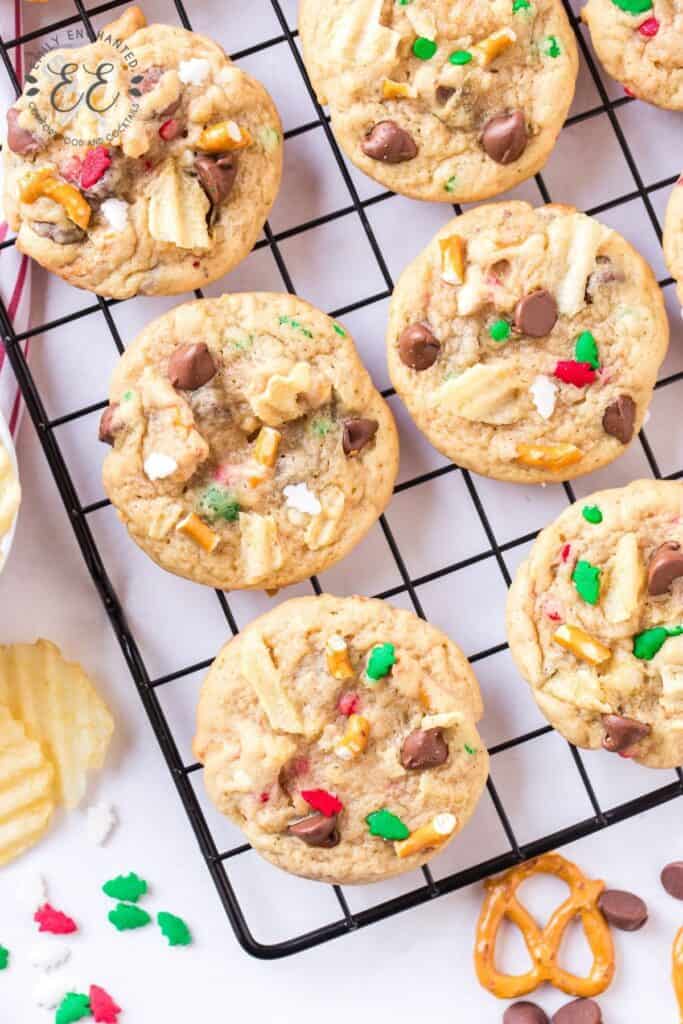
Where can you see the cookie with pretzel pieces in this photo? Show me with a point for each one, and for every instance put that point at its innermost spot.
(340, 735)
(595, 622)
(673, 236)
(526, 342)
(145, 162)
(442, 101)
(639, 42)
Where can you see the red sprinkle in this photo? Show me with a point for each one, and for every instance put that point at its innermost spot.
(349, 703)
(95, 163)
(578, 374)
(54, 921)
(264, 797)
(321, 800)
(566, 550)
(630, 92)
(196, 264)
(626, 754)
(649, 28)
(170, 130)
(102, 1006)
(554, 617)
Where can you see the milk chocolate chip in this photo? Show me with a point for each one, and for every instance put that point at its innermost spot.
(417, 347)
(424, 748)
(358, 433)
(622, 733)
(666, 565)
(619, 418)
(389, 143)
(672, 879)
(316, 830)
(581, 1011)
(622, 909)
(217, 176)
(536, 314)
(56, 233)
(106, 432)
(525, 1013)
(20, 140)
(505, 137)
(191, 366)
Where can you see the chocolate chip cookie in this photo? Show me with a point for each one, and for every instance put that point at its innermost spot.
(438, 101)
(526, 342)
(640, 43)
(250, 448)
(340, 735)
(595, 622)
(145, 162)
(673, 236)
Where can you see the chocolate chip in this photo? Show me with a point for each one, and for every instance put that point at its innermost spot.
(581, 1011)
(525, 1013)
(358, 433)
(622, 733)
(665, 566)
(217, 176)
(151, 78)
(107, 433)
(623, 910)
(443, 94)
(424, 748)
(316, 830)
(536, 314)
(417, 347)
(604, 273)
(619, 418)
(56, 233)
(20, 140)
(389, 143)
(191, 366)
(505, 137)
(672, 879)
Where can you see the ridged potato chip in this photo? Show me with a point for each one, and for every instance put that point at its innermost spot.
(26, 789)
(60, 709)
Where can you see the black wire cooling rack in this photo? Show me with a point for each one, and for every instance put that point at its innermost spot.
(217, 860)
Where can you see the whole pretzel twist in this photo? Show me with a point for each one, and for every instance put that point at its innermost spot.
(543, 944)
(677, 970)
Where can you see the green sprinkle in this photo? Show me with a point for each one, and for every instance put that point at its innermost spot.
(586, 350)
(550, 47)
(4, 958)
(242, 344)
(423, 48)
(451, 184)
(339, 330)
(381, 660)
(592, 514)
(74, 1006)
(270, 139)
(500, 330)
(174, 929)
(289, 321)
(126, 916)
(520, 5)
(586, 579)
(127, 395)
(469, 749)
(404, 3)
(125, 887)
(460, 57)
(386, 825)
(321, 426)
(633, 6)
(216, 503)
(650, 641)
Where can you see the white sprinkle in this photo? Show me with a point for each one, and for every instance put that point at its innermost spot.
(543, 392)
(444, 823)
(115, 212)
(100, 821)
(50, 989)
(193, 71)
(158, 466)
(31, 892)
(48, 954)
(299, 497)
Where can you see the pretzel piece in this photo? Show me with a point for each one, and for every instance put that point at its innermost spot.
(544, 944)
(677, 970)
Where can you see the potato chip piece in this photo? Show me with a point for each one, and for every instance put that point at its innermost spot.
(26, 789)
(60, 709)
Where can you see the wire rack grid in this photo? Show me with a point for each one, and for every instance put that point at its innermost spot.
(410, 587)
